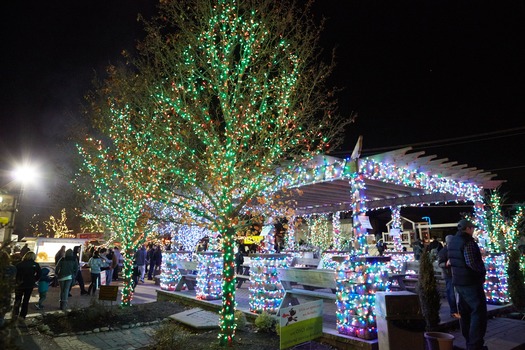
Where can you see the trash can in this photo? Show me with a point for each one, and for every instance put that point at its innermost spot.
(400, 324)
(439, 341)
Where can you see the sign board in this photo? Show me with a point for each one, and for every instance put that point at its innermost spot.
(365, 221)
(253, 239)
(86, 235)
(108, 293)
(300, 323)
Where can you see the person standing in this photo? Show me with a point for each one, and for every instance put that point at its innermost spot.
(24, 250)
(43, 287)
(60, 254)
(112, 262)
(149, 258)
(380, 245)
(66, 271)
(120, 260)
(95, 264)
(444, 263)
(155, 262)
(8, 275)
(140, 260)
(79, 278)
(468, 277)
(418, 247)
(239, 260)
(28, 271)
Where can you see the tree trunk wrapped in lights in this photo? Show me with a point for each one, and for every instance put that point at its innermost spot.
(226, 99)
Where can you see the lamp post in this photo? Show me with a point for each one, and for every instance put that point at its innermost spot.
(7, 214)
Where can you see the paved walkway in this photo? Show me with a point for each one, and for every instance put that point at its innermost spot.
(502, 334)
(29, 338)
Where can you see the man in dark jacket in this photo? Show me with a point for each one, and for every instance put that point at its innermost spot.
(140, 260)
(155, 262)
(468, 277)
(27, 273)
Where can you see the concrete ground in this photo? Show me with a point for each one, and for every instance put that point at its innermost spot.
(502, 334)
(29, 339)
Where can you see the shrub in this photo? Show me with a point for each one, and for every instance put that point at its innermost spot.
(516, 281)
(428, 292)
(240, 319)
(170, 336)
(265, 322)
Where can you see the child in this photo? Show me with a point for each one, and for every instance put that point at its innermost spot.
(43, 286)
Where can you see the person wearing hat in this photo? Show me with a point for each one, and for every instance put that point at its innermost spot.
(468, 277)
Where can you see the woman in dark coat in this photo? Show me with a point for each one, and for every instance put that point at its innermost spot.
(79, 278)
(66, 271)
(27, 273)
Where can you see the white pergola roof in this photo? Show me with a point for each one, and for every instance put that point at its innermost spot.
(334, 193)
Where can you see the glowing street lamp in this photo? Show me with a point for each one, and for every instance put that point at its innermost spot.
(23, 175)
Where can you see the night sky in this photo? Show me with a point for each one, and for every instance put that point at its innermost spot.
(447, 77)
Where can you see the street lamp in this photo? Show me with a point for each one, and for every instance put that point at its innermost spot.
(23, 175)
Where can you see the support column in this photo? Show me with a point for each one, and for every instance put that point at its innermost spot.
(357, 185)
(396, 224)
(336, 228)
(290, 234)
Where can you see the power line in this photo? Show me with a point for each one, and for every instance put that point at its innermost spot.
(508, 168)
(450, 141)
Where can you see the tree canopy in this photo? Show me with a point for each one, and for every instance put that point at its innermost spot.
(224, 100)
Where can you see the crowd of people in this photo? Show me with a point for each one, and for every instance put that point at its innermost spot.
(22, 275)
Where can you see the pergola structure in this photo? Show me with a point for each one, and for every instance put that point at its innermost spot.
(392, 180)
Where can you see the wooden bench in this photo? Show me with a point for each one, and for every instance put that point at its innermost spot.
(241, 279)
(316, 284)
(310, 263)
(412, 278)
(188, 271)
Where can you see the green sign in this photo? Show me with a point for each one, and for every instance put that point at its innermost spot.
(301, 323)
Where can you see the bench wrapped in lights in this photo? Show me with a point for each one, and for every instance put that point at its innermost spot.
(266, 290)
(209, 276)
(171, 275)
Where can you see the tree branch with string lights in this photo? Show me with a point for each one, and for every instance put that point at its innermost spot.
(229, 99)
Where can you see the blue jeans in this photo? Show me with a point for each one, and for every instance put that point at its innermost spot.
(95, 282)
(451, 297)
(473, 311)
(64, 292)
(109, 276)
